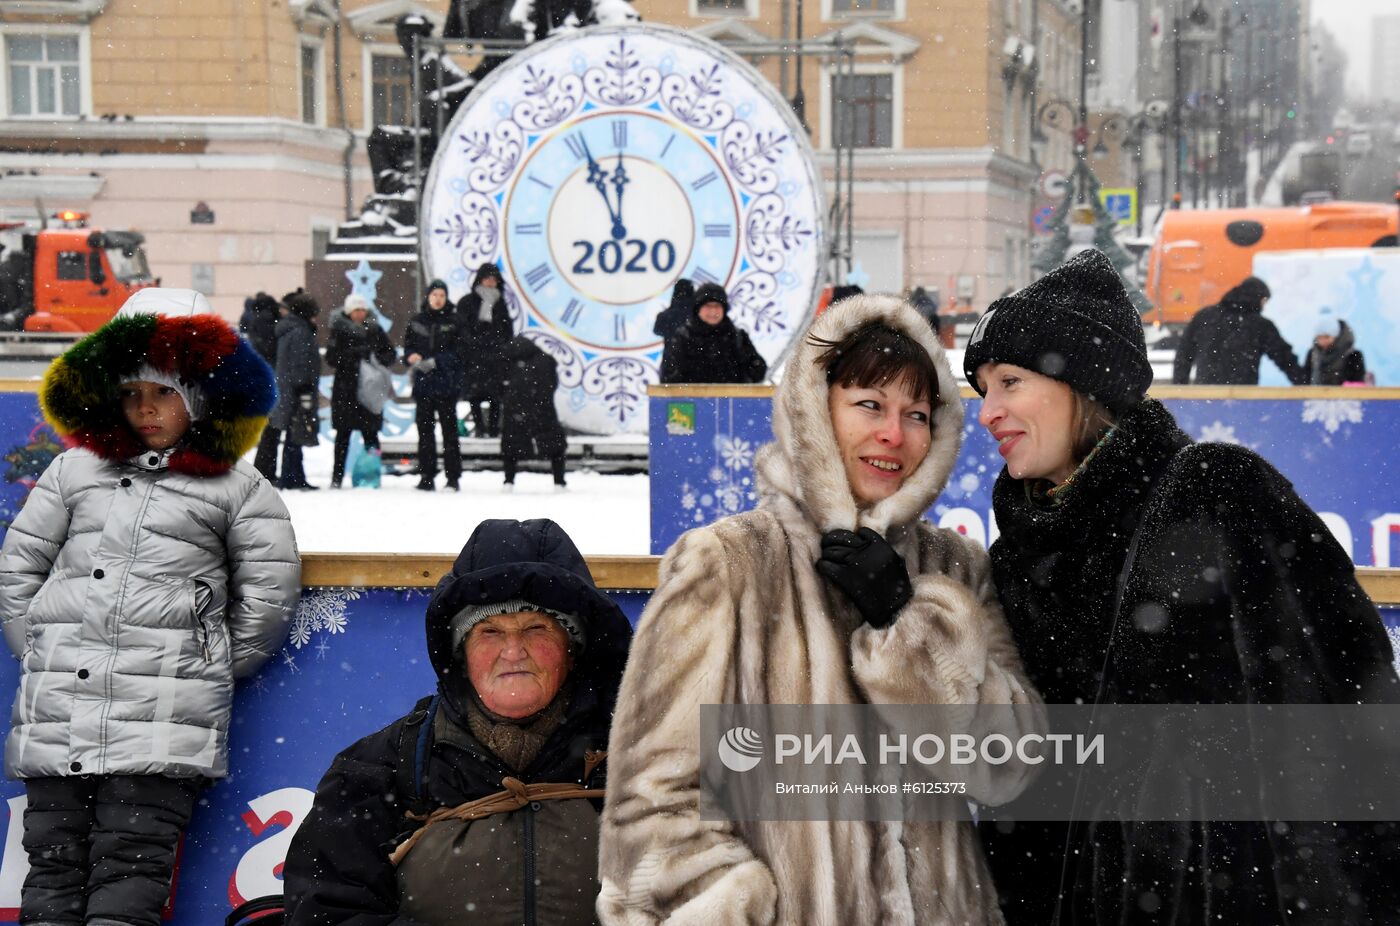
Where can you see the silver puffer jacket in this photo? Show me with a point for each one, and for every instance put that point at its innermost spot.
(134, 595)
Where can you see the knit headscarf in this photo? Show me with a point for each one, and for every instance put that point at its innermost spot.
(186, 390)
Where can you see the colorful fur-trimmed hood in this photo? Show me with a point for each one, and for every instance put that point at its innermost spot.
(79, 395)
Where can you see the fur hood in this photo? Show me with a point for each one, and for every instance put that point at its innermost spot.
(79, 394)
(802, 463)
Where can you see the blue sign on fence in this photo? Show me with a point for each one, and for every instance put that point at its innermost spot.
(1327, 447)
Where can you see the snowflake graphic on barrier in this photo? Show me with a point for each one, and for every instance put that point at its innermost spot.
(1333, 413)
(736, 452)
(321, 611)
(1219, 432)
(728, 485)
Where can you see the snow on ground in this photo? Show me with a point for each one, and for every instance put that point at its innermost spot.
(603, 514)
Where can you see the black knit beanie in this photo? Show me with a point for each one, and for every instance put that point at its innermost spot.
(711, 292)
(1075, 324)
(301, 303)
(436, 284)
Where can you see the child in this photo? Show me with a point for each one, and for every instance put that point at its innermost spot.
(147, 570)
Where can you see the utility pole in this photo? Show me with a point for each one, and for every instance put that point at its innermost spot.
(786, 7)
(1081, 128)
(1176, 101)
(799, 99)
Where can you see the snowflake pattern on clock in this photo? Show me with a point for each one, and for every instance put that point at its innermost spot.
(718, 102)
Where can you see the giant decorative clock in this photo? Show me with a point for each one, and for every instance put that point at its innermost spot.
(597, 168)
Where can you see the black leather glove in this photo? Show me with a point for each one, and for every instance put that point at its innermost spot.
(868, 571)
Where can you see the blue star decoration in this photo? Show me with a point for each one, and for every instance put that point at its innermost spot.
(1365, 279)
(858, 276)
(364, 281)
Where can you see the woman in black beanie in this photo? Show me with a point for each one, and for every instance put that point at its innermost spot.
(1138, 567)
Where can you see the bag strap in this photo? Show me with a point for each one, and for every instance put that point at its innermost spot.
(1118, 595)
(514, 795)
(415, 743)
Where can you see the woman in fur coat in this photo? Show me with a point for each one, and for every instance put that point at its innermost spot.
(833, 591)
(1138, 567)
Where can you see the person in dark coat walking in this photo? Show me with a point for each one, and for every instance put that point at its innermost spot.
(709, 347)
(1138, 567)
(484, 318)
(529, 656)
(259, 325)
(298, 368)
(674, 315)
(927, 306)
(355, 337)
(432, 347)
(1224, 342)
(530, 424)
(1333, 359)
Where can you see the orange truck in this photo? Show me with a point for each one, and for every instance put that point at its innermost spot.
(67, 278)
(1201, 254)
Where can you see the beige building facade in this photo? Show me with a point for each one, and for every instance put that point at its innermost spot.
(153, 114)
(942, 103)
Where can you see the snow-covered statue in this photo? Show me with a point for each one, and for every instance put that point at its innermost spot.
(443, 86)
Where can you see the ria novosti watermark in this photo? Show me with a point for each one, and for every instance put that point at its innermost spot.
(1057, 762)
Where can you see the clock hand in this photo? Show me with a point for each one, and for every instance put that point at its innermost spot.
(598, 178)
(619, 180)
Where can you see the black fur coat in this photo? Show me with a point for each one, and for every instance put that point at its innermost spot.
(1237, 594)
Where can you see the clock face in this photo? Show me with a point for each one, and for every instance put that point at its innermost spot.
(598, 168)
(606, 214)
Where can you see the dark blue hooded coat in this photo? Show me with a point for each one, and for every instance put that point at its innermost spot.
(338, 869)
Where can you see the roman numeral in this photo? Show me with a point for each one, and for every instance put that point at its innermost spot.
(619, 327)
(577, 145)
(535, 179)
(719, 231)
(667, 146)
(572, 313)
(620, 133)
(702, 275)
(533, 228)
(705, 181)
(539, 276)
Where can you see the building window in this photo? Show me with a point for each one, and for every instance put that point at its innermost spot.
(45, 75)
(726, 7)
(320, 243)
(310, 85)
(859, 7)
(391, 87)
(862, 110)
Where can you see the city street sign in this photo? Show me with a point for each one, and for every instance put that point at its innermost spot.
(1053, 183)
(1041, 220)
(1121, 204)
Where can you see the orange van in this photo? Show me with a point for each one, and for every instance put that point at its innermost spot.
(1201, 254)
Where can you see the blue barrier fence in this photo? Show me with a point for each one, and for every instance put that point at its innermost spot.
(356, 657)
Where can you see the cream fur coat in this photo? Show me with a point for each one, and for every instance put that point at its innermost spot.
(740, 615)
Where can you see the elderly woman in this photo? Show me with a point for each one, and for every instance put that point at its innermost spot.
(833, 591)
(486, 797)
(1138, 567)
